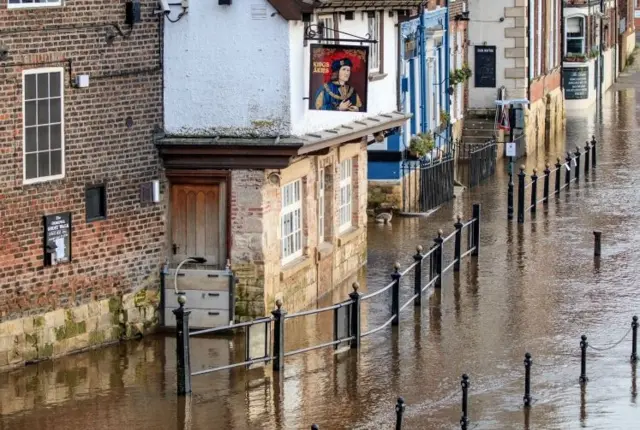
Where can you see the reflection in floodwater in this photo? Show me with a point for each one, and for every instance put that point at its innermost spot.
(535, 288)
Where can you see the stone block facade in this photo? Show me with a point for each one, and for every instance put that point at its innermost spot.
(545, 117)
(256, 250)
(107, 139)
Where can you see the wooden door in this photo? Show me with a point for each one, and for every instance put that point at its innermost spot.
(198, 223)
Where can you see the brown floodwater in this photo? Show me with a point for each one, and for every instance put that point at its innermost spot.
(535, 287)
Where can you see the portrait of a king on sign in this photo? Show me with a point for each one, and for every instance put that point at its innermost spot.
(339, 77)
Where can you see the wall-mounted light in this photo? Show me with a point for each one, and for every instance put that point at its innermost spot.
(274, 178)
(379, 137)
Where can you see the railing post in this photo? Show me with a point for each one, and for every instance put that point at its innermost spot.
(634, 339)
(545, 189)
(399, 413)
(534, 191)
(278, 336)
(597, 237)
(577, 154)
(558, 172)
(355, 316)
(583, 359)
(464, 420)
(567, 173)
(593, 151)
(510, 191)
(438, 259)
(395, 294)
(417, 284)
(521, 177)
(183, 361)
(458, 244)
(475, 213)
(587, 150)
(527, 379)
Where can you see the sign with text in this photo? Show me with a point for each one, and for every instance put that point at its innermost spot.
(576, 83)
(338, 79)
(485, 66)
(57, 239)
(511, 149)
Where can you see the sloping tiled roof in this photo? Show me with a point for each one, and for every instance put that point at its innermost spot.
(369, 4)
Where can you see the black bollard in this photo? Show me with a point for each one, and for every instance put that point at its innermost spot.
(417, 285)
(593, 151)
(278, 336)
(583, 359)
(183, 361)
(587, 150)
(464, 420)
(558, 171)
(399, 412)
(510, 193)
(634, 339)
(315, 427)
(437, 259)
(534, 190)
(597, 236)
(527, 379)
(521, 177)
(567, 173)
(547, 173)
(457, 250)
(395, 294)
(475, 227)
(577, 154)
(355, 325)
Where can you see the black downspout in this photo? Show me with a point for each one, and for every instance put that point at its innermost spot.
(531, 54)
(562, 38)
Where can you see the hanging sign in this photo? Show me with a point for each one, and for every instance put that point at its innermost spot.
(511, 149)
(339, 78)
(57, 239)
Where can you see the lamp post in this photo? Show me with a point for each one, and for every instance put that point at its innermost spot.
(199, 260)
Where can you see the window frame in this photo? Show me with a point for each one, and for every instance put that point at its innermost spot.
(321, 204)
(583, 31)
(61, 175)
(375, 49)
(346, 183)
(56, 3)
(322, 18)
(290, 209)
(103, 202)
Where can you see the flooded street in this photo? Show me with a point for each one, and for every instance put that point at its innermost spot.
(535, 287)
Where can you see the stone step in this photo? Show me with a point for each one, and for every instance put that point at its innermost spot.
(479, 126)
(478, 134)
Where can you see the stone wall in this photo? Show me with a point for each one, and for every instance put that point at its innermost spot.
(60, 332)
(544, 120)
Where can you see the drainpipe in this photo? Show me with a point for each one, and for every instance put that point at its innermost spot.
(447, 65)
(562, 47)
(530, 22)
(423, 72)
(600, 54)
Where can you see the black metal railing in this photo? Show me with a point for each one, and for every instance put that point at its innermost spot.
(477, 162)
(528, 193)
(426, 184)
(347, 330)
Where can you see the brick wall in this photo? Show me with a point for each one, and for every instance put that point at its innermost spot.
(121, 253)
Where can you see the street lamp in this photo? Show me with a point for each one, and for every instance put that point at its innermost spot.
(198, 260)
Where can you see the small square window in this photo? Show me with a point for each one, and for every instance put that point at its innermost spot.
(96, 203)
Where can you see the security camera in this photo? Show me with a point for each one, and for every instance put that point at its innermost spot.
(164, 7)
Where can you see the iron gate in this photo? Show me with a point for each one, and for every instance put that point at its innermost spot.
(426, 184)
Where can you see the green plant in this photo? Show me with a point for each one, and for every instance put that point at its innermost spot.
(421, 144)
(459, 76)
(631, 59)
(444, 117)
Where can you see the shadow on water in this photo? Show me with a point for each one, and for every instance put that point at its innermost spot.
(535, 287)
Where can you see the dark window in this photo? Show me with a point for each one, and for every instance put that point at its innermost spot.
(96, 203)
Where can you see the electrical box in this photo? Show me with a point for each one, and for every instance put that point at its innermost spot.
(82, 81)
(132, 12)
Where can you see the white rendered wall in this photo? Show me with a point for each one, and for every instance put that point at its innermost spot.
(579, 105)
(227, 73)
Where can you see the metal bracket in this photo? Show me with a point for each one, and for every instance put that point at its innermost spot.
(315, 31)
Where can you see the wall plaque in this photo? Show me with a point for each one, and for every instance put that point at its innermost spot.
(576, 83)
(57, 239)
(485, 66)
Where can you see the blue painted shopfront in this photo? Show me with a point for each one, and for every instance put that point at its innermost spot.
(424, 84)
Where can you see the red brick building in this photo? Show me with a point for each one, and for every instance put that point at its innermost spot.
(80, 95)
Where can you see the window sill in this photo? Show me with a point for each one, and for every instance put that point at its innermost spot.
(33, 5)
(375, 76)
(348, 235)
(325, 249)
(295, 266)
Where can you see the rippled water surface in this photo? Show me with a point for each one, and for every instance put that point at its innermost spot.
(535, 287)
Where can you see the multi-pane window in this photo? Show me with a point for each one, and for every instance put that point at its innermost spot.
(321, 205)
(291, 220)
(575, 35)
(34, 3)
(326, 28)
(43, 124)
(346, 193)
(373, 23)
